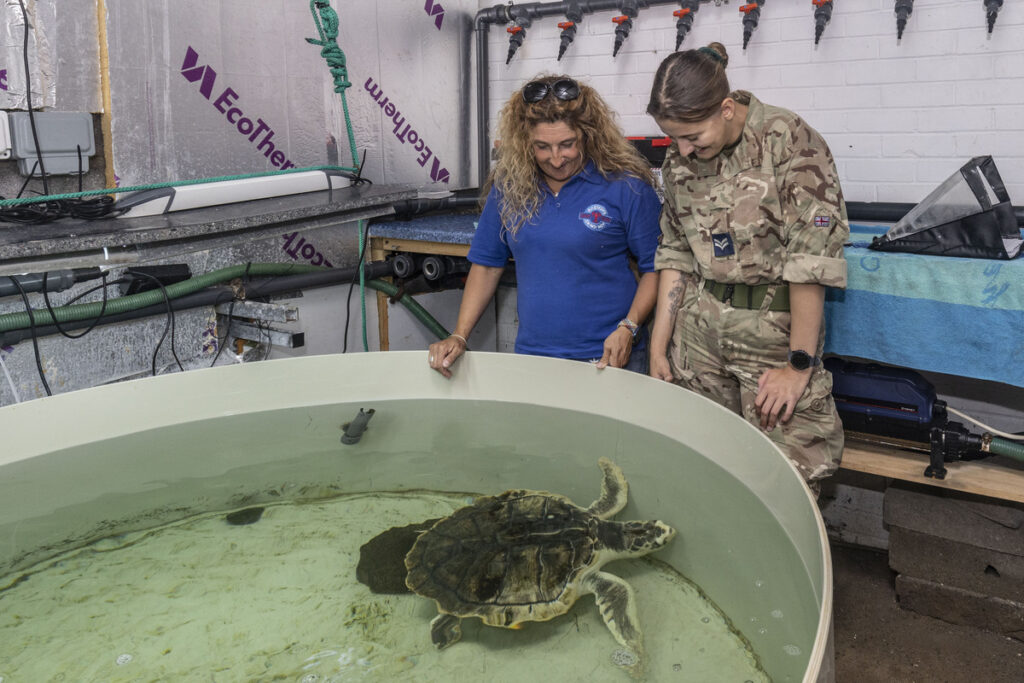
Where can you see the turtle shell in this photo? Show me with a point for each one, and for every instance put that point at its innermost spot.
(506, 559)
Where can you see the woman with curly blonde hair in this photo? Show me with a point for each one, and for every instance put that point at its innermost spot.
(573, 203)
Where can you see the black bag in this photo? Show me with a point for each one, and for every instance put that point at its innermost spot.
(969, 214)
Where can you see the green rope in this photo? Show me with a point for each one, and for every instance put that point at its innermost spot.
(330, 51)
(327, 26)
(177, 183)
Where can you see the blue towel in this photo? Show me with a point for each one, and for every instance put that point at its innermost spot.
(957, 316)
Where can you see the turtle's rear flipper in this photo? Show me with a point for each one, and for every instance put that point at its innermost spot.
(617, 605)
(445, 629)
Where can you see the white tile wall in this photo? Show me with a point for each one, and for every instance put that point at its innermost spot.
(899, 117)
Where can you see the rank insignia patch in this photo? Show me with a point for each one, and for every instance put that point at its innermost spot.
(722, 244)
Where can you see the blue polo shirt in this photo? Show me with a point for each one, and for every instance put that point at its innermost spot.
(572, 260)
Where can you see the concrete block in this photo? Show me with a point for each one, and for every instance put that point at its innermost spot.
(959, 606)
(961, 565)
(852, 510)
(967, 519)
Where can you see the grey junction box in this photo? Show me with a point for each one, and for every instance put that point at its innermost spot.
(61, 134)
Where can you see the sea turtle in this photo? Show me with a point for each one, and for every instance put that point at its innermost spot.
(527, 556)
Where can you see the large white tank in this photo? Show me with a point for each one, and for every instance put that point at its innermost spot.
(88, 464)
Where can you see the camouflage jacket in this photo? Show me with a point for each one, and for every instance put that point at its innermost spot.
(768, 210)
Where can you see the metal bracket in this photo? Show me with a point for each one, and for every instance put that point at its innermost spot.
(260, 335)
(258, 310)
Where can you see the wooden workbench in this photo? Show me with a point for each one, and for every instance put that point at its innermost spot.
(447, 235)
(995, 478)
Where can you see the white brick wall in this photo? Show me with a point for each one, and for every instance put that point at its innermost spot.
(899, 117)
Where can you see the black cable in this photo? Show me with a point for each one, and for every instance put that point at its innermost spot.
(119, 281)
(352, 284)
(359, 179)
(231, 310)
(40, 212)
(227, 332)
(28, 99)
(170, 322)
(95, 322)
(35, 337)
(50, 210)
(256, 290)
(35, 165)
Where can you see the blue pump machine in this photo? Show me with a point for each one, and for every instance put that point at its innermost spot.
(899, 407)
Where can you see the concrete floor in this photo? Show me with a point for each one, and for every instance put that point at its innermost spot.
(877, 640)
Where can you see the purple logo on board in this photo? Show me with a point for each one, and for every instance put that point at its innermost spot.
(3, 77)
(407, 134)
(193, 72)
(435, 10)
(304, 250)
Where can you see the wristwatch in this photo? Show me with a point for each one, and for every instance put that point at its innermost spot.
(801, 360)
(631, 326)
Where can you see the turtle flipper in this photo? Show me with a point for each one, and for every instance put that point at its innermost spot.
(445, 629)
(617, 605)
(614, 491)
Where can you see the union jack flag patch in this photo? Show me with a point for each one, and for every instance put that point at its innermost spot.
(822, 221)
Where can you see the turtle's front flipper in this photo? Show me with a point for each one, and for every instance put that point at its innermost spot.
(614, 491)
(445, 629)
(617, 605)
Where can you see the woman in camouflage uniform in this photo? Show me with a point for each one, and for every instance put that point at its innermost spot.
(753, 227)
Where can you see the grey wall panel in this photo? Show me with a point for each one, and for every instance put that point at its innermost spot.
(410, 72)
(168, 127)
(255, 88)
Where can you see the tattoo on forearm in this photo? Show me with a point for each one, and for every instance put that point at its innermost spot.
(675, 295)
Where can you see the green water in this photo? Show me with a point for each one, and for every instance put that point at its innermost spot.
(202, 600)
(266, 600)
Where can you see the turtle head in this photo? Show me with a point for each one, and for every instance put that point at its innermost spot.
(640, 538)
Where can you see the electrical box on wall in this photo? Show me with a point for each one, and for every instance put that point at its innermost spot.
(5, 137)
(66, 141)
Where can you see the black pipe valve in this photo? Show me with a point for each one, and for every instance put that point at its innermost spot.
(992, 8)
(751, 16)
(517, 35)
(684, 19)
(904, 8)
(822, 15)
(624, 24)
(573, 16)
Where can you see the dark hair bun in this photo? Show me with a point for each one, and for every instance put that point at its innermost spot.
(720, 50)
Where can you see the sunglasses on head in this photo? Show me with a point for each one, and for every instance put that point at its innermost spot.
(564, 89)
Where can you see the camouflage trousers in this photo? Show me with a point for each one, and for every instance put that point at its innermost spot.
(720, 352)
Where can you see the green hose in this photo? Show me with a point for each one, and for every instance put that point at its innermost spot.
(18, 321)
(418, 311)
(1006, 447)
(63, 314)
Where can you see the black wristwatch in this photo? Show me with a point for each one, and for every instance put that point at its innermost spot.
(801, 360)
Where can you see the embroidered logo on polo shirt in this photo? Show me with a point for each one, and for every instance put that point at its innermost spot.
(822, 221)
(723, 245)
(595, 217)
